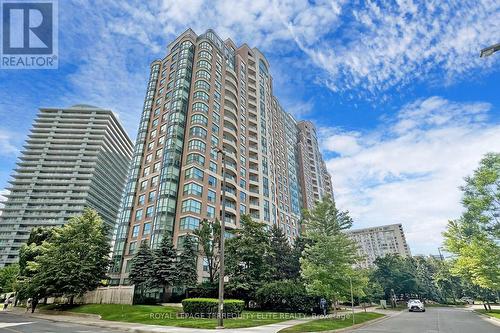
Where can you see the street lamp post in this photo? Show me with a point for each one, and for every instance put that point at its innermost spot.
(220, 314)
(486, 52)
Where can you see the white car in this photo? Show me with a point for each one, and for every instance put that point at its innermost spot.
(415, 305)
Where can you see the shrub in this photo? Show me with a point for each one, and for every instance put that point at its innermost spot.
(286, 295)
(207, 307)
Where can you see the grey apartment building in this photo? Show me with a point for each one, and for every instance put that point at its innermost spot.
(315, 180)
(208, 92)
(73, 158)
(379, 241)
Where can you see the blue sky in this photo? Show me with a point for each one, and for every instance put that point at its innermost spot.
(404, 105)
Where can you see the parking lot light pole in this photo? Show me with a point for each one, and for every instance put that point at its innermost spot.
(220, 314)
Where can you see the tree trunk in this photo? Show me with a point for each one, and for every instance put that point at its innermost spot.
(334, 307)
(71, 300)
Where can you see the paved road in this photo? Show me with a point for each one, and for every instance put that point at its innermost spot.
(434, 320)
(10, 323)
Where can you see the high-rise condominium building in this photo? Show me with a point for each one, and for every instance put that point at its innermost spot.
(73, 158)
(204, 94)
(316, 182)
(379, 241)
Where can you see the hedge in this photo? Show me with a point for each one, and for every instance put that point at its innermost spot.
(208, 307)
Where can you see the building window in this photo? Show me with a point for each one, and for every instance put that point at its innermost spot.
(197, 145)
(135, 231)
(149, 211)
(195, 158)
(211, 196)
(194, 173)
(198, 131)
(212, 181)
(202, 84)
(205, 54)
(141, 200)
(243, 209)
(213, 166)
(131, 247)
(204, 64)
(192, 206)
(189, 223)
(199, 119)
(138, 215)
(146, 229)
(210, 211)
(156, 167)
(146, 171)
(154, 181)
(151, 196)
(201, 95)
(200, 107)
(193, 189)
(203, 74)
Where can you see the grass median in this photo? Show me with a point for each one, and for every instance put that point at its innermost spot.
(491, 313)
(329, 324)
(172, 316)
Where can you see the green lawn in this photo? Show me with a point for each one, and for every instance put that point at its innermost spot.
(170, 316)
(331, 324)
(492, 313)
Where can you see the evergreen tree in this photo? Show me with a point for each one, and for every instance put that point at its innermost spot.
(141, 269)
(247, 263)
(329, 255)
(280, 257)
(165, 263)
(187, 274)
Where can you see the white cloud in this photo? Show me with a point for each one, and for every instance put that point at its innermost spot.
(390, 44)
(409, 170)
(7, 146)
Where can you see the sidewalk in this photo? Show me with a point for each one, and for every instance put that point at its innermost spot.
(94, 320)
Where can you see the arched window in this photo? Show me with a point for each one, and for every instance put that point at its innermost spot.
(200, 107)
(197, 145)
(202, 84)
(198, 131)
(206, 46)
(203, 74)
(199, 119)
(205, 55)
(204, 64)
(195, 158)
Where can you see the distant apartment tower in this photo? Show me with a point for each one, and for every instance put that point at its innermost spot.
(316, 182)
(379, 241)
(73, 158)
(208, 93)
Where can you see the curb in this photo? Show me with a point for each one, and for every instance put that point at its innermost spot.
(485, 316)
